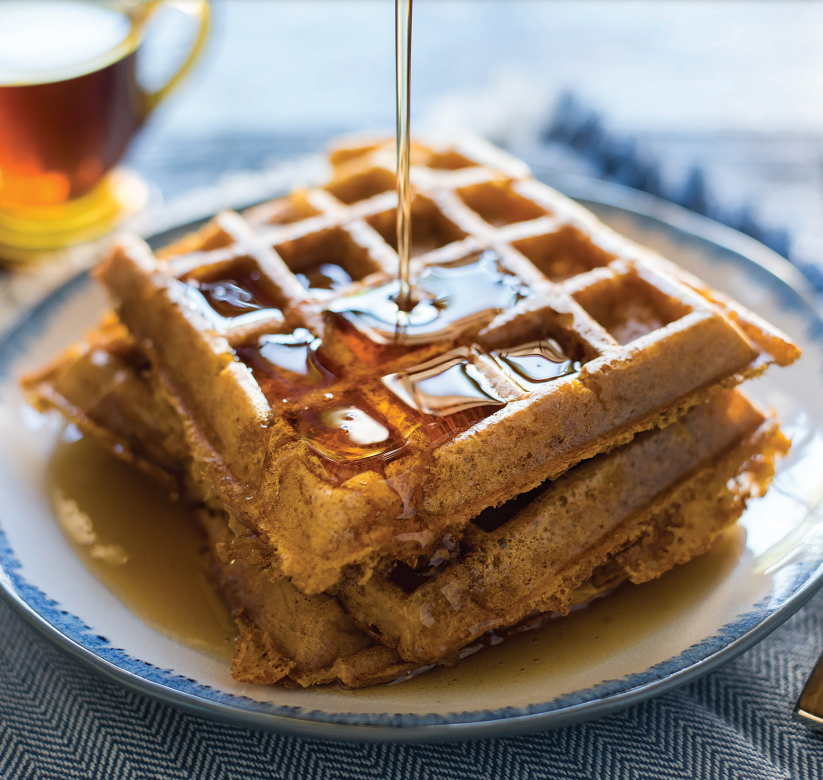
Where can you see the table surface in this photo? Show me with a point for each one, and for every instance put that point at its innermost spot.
(731, 87)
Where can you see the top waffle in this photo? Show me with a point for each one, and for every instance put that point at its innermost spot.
(542, 338)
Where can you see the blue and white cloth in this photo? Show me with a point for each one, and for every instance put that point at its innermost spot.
(61, 721)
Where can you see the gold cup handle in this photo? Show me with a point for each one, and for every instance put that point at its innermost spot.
(198, 12)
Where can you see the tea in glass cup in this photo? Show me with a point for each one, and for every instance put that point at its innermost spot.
(70, 102)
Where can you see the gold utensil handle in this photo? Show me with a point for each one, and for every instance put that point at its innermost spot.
(809, 707)
(198, 12)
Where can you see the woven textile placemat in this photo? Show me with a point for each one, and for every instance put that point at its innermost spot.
(59, 719)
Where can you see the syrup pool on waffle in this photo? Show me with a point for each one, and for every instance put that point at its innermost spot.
(232, 301)
(323, 279)
(284, 362)
(359, 413)
(449, 300)
(535, 362)
(444, 386)
(377, 417)
(346, 432)
(441, 397)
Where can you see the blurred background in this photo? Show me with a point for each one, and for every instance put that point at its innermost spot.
(715, 104)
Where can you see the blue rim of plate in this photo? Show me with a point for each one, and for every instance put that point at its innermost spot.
(68, 632)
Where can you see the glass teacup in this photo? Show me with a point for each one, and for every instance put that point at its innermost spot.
(70, 103)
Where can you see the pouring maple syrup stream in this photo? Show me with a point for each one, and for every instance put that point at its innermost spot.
(403, 29)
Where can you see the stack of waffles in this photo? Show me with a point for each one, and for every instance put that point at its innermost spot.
(384, 491)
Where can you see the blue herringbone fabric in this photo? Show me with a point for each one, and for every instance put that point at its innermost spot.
(58, 720)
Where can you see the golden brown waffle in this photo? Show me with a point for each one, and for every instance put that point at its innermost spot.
(256, 328)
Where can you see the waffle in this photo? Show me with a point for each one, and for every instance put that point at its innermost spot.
(311, 417)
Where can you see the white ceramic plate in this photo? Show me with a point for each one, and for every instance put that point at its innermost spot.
(637, 643)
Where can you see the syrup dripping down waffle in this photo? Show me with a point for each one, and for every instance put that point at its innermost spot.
(341, 441)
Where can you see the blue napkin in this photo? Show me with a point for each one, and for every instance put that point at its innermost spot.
(61, 721)
(579, 131)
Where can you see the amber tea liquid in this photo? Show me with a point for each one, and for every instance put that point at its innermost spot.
(69, 101)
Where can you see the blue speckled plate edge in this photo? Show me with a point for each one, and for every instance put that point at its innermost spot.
(69, 633)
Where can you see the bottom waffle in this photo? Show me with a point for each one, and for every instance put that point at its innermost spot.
(629, 515)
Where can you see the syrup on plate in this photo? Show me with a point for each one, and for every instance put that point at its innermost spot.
(162, 582)
(143, 546)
